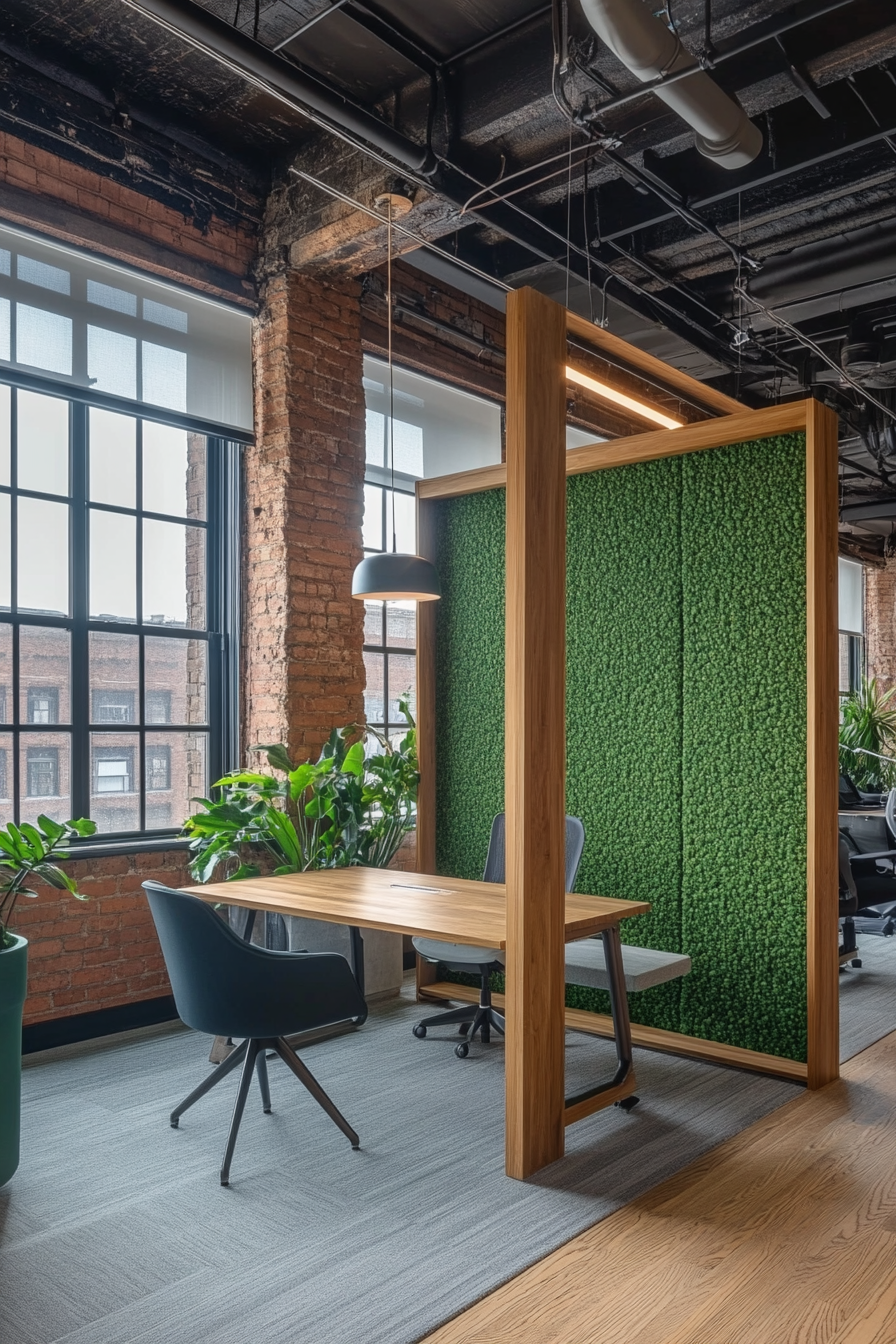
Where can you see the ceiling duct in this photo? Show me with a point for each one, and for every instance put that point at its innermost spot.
(651, 50)
(826, 267)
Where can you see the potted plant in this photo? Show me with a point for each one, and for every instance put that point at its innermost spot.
(350, 807)
(26, 852)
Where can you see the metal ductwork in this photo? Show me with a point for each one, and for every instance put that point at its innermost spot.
(651, 50)
(841, 262)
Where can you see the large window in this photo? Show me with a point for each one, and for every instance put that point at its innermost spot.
(436, 429)
(118, 534)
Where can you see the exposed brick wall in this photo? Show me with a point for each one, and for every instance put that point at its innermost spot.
(85, 955)
(94, 201)
(880, 623)
(302, 631)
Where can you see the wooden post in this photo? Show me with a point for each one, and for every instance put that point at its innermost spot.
(821, 746)
(534, 715)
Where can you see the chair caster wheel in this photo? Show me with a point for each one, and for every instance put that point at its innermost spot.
(462, 1050)
(628, 1103)
(420, 1031)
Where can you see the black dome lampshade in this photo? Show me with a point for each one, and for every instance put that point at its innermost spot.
(392, 576)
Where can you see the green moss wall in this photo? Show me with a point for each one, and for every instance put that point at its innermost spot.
(686, 675)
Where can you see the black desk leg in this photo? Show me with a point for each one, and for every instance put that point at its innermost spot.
(622, 1027)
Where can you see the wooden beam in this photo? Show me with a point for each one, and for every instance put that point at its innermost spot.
(821, 744)
(656, 370)
(648, 1038)
(426, 701)
(718, 433)
(535, 729)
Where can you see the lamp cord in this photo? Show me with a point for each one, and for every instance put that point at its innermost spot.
(391, 376)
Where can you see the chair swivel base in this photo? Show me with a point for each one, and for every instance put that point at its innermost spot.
(251, 1054)
(473, 1017)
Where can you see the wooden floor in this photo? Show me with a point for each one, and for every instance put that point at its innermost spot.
(786, 1234)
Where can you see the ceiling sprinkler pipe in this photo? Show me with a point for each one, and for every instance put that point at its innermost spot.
(651, 50)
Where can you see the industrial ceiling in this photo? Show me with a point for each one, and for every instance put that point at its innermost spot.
(759, 254)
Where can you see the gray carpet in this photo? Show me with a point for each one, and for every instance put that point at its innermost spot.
(868, 996)
(117, 1232)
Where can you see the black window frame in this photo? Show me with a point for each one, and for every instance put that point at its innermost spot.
(221, 633)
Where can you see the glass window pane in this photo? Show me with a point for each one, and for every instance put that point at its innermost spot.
(112, 362)
(5, 553)
(5, 324)
(176, 773)
(164, 376)
(6, 781)
(43, 340)
(113, 458)
(42, 438)
(5, 399)
(374, 440)
(173, 471)
(115, 781)
(42, 556)
(176, 680)
(173, 574)
(45, 776)
(113, 566)
(373, 622)
(44, 675)
(374, 691)
(372, 534)
(5, 673)
(405, 522)
(402, 677)
(114, 677)
(401, 625)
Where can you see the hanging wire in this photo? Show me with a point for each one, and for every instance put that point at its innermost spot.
(391, 373)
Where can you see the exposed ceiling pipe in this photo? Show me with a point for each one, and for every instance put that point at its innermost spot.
(826, 267)
(651, 51)
(282, 79)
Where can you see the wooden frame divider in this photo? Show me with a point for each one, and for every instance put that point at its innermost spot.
(536, 355)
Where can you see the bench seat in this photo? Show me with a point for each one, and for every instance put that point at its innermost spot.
(644, 967)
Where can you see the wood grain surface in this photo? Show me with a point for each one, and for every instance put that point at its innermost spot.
(473, 913)
(535, 729)
(649, 447)
(785, 1234)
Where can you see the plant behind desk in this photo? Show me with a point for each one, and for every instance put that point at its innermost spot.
(351, 807)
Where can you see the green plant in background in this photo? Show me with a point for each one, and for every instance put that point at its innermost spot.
(28, 852)
(868, 721)
(349, 808)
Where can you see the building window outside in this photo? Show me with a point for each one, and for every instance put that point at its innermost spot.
(158, 769)
(113, 770)
(113, 630)
(43, 772)
(113, 706)
(43, 704)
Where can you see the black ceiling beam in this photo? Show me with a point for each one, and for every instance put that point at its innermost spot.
(846, 132)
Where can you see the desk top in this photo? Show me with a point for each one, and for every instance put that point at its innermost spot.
(450, 908)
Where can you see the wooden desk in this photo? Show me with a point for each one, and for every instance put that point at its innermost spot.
(452, 909)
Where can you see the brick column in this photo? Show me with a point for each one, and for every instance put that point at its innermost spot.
(302, 631)
(880, 623)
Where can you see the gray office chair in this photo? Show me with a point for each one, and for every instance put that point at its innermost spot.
(482, 961)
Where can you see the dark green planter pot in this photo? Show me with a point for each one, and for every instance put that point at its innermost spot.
(13, 975)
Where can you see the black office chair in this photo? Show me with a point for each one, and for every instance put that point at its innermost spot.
(848, 904)
(227, 987)
(483, 961)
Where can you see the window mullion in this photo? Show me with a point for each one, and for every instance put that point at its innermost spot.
(80, 652)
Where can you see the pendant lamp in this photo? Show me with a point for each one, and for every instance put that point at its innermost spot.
(391, 576)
